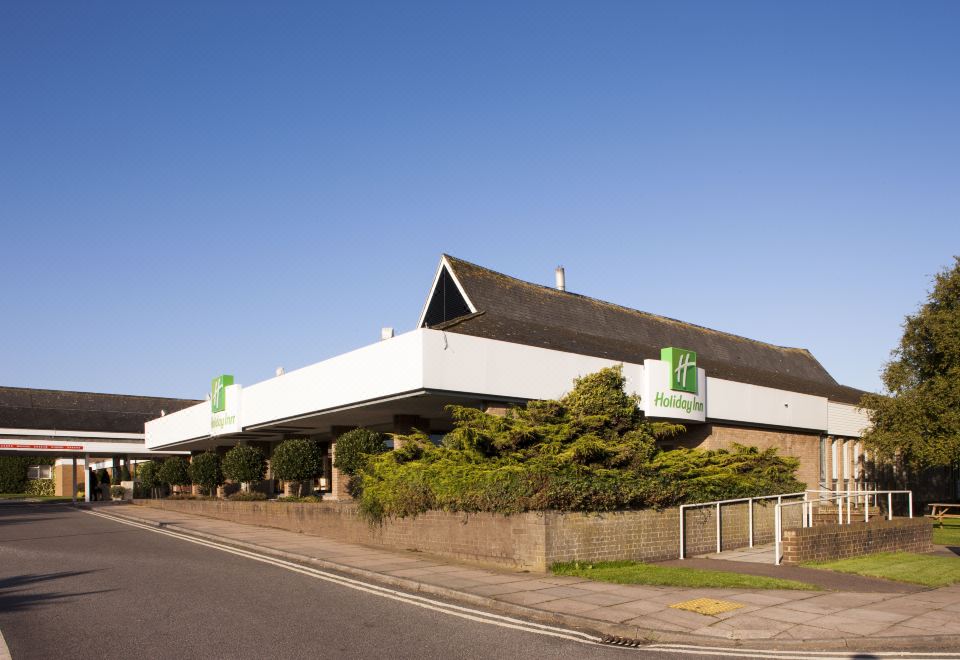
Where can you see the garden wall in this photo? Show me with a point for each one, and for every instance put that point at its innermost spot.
(529, 540)
(834, 541)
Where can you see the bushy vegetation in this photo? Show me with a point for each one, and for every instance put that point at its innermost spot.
(250, 496)
(205, 471)
(244, 463)
(297, 460)
(117, 492)
(148, 479)
(174, 471)
(40, 487)
(592, 450)
(354, 449)
(13, 473)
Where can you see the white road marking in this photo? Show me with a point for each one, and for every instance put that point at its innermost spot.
(4, 651)
(509, 622)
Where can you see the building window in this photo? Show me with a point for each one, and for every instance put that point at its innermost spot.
(40, 472)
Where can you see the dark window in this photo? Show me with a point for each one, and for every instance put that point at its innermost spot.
(447, 303)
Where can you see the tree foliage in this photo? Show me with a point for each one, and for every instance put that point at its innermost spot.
(205, 471)
(297, 459)
(920, 419)
(13, 473)
(592, 450)
(174, 471)
(244, 463)
(354, 449)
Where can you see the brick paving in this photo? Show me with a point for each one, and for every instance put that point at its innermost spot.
(776, 615)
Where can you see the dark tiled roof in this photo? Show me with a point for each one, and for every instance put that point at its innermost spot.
(512, 310)
(24, 408)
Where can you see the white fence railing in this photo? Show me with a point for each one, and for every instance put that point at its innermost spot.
(719, 503)
(845, 500)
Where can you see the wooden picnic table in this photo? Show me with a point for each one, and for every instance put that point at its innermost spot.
(944, 510)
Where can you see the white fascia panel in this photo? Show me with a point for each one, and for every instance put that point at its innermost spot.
(387, 368)
(498, 369)
(846, 420)
(739, 402)
(60, 433)
(186, 424)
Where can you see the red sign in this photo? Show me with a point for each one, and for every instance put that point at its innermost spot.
(70, 447)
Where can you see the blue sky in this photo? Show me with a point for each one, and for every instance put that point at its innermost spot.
(188, 189)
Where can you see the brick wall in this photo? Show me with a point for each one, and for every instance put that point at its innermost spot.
(646, 535)
(834, 541)
(516, 541)
(804, 446)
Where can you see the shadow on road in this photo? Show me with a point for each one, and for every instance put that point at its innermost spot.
(14, 594)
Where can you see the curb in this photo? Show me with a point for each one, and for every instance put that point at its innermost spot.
(600, 628)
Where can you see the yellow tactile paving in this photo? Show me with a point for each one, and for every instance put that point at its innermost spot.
(708, 606)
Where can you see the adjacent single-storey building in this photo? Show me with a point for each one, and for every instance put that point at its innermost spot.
(75, 429)
(488, 340)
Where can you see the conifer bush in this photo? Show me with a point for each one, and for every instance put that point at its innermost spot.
(592, 450)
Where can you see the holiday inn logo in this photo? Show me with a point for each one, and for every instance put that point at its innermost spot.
(218, 392)
(683, 368)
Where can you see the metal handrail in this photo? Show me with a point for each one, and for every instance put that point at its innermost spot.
(807, 513)
(718, 503)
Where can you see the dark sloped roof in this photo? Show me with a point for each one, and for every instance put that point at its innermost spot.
(24, 408)
(512, 310)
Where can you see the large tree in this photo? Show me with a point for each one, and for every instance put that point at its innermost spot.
(919, 419)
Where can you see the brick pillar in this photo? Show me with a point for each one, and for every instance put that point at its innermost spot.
(497, 408)
(405, 424)
(338, 481)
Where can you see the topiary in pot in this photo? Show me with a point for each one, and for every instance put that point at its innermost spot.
(148, 474)
(244, 463)
(297, 460)
(117, 492)
(205, 471)
(174, 471)
(353, 450)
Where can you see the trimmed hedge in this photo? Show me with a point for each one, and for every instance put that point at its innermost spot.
(13, 473)
(41, 488)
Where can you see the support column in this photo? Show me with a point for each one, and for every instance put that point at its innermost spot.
(86, 477)
(497, 408)
(73, 479)
(405, 424)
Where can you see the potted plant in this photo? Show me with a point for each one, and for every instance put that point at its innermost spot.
(174, 472)
(205, 471)
(245, 464)
(295, 461)
(117, 493)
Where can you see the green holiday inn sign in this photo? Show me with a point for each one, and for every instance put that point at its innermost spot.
(683, 368)
(218, 392)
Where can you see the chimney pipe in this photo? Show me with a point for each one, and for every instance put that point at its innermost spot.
(561, 279)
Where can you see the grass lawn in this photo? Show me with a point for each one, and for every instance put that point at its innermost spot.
(949, 534)
(629, 572)
(928, 570)
(43, 498)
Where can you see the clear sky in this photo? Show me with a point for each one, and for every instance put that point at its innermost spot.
(188, 189)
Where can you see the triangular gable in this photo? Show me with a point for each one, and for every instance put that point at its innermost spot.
(447, 299)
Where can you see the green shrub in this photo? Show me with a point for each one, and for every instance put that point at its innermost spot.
(354, 448)
(148, 479)
(244, 463)
(297, 459)
(592, 450)
(13, 473)
(117, 491)
(252, 496)
(310, 499)
(205, 471)
(40, 487)
(174, 471)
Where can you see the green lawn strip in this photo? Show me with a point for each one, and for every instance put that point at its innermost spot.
(629, 572)
(44, 498)
(928, 570)
(949, 534)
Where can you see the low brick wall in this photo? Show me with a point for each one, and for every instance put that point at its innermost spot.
(834, 541)
(528, 540)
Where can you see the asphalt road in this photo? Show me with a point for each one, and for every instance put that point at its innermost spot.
(73, 585)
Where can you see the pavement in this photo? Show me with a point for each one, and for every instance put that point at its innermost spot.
(896, 617)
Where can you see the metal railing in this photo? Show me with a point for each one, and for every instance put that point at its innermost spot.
(718, 503)
(844, 500)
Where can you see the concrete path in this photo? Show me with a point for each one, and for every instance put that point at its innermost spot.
(769, 618)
